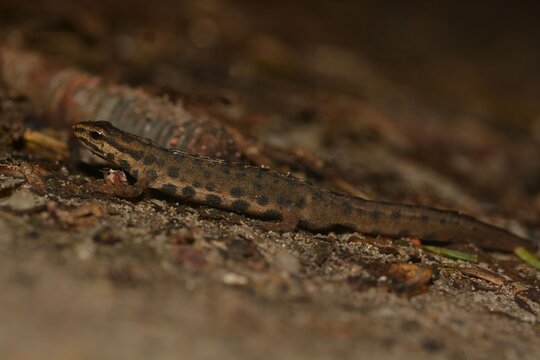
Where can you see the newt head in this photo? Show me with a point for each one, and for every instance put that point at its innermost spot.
(110, 143)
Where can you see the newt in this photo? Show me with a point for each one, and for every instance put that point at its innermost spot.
(263, 193)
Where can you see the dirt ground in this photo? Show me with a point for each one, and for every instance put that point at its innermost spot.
(425, 105)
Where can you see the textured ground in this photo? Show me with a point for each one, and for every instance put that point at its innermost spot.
(87, 276)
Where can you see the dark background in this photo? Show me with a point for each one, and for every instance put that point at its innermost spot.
(478, 58)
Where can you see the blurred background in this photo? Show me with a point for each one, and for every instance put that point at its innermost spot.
(478, 58)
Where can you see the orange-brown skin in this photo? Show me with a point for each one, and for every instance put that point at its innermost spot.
(266, 194)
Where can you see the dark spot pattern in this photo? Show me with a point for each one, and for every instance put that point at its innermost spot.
(197, 184)
(396, 215)
(126, 138)
(359, 211)
(124, 165)
(149, 159)
(258, 186)
(213, 200)
(173, 171)
(345, 207)
(109, 156)
(169, 188)
(151, 175)
(300, 202)
(262, 200)
(135, 154)
(240, 206)
(188, 191)
(282, 200)
(237, 192)
(210, 187)
(375, 214)
(273, 214)
(135, 173)
(91, 146)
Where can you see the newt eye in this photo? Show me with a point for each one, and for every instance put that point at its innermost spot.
(96, 135)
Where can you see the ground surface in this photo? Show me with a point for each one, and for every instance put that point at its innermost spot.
(87, 276)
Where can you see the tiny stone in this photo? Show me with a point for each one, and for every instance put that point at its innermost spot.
(234, 279)
(23, 201)
(287, 262)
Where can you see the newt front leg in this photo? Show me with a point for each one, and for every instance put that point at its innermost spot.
(115, 184)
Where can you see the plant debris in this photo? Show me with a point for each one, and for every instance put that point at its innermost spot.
(528, 257)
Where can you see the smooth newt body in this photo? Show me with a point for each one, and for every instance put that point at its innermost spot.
(263, 193)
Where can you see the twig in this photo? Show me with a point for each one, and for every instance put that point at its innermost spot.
(68, 95)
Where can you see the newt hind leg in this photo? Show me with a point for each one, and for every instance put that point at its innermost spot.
(289, 222)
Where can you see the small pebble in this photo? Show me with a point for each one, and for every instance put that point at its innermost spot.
(287, 262)
(234, 279)
(23, 201)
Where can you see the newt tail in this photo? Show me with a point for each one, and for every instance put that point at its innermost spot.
(263, 193)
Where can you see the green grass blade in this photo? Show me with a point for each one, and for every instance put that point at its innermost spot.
(528, 257)
(451, 254)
